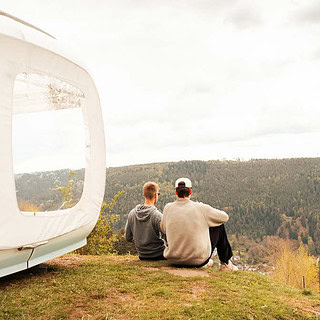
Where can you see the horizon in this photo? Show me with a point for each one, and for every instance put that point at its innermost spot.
(164, 162)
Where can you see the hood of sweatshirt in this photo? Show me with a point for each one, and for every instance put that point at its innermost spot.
(143, 212)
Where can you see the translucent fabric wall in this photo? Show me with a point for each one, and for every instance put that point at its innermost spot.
(35, 78)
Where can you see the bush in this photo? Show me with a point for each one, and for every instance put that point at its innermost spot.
(103, 237)
(122, 246)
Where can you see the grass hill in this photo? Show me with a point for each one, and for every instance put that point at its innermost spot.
(114, 287)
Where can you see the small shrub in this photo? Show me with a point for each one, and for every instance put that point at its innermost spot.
(122, 246)
(103, 237)
(66, 192)
(306, 292)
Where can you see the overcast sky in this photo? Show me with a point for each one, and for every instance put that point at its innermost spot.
(195, 79)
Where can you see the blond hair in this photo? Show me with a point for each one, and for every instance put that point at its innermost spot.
(150, 189)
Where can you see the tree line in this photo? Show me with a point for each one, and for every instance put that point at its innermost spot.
(278, 197)
(262, 197)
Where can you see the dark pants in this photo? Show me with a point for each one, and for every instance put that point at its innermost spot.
(219, 240)
(153, 259)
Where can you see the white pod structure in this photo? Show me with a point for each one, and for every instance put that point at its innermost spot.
(30, 238)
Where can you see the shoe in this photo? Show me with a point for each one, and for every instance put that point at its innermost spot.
(228, 267)
(209, 264)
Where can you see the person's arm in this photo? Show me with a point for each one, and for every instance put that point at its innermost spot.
(162, 227)
(157, 226)
(213, 216)
(163, 222)
(156, 222)
(127, 232)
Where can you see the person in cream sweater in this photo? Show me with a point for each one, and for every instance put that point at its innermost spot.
(193, 230)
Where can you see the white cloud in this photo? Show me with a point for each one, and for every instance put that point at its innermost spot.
(196, 79)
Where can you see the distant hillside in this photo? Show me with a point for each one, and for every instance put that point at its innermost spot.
(40, 188)
(262, 197)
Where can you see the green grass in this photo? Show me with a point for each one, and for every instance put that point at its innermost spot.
(110, 287)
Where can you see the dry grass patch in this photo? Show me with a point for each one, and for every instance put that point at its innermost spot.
(309, 306)
(69, 260)
(128, 258)
(150, 269)
(185, 272)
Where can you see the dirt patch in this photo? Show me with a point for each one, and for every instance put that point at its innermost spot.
(73, 260)
(97, 305)
(123, 258)
(150, 269)
(197, 291)
(310, 307)
(182, 272)
(185, 272)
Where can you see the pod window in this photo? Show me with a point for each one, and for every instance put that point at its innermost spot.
(48, 139)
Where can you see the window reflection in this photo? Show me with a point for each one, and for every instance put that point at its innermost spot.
(48, 142)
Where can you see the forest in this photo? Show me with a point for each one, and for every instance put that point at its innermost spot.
(268, 197)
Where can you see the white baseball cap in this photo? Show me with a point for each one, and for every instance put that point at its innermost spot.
(186, 181)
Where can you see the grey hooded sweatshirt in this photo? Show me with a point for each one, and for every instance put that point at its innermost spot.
(143, 228)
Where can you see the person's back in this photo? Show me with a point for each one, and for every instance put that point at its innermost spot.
(187, 233)
(143, 225)
(193, 230)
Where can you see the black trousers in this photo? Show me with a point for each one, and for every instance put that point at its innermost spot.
(153, 258)
(219, 240)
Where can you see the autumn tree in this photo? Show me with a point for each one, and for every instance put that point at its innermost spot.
(296, 267)
(27, 206)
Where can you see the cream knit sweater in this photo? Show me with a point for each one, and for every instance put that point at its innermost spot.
(186, 225)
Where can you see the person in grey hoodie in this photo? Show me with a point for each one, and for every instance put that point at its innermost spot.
(143, 225)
